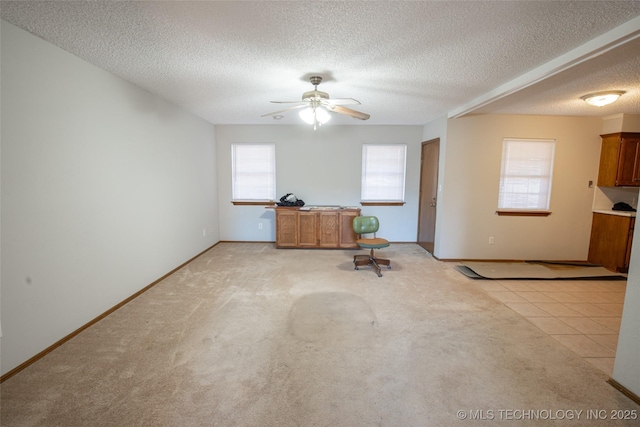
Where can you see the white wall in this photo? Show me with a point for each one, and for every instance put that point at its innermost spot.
(627, 367)
(104, 190)
(466, 210)
(626, 370)
(321, 167)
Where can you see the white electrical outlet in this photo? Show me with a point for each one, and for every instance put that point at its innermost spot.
(204, 232)
(259, 226)
(491, 240)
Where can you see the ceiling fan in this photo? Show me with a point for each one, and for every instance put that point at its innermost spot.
(317, 105)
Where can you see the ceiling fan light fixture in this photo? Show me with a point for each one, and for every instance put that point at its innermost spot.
(315, 116)
(600, 99)
(307, 115)
(316, 106)
(322, 115)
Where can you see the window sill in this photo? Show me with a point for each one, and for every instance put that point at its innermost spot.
(253, 202)
(382, 203)
(523, 213)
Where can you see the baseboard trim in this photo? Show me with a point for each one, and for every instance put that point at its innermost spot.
(622, 389)
(511, 260)
(247, 241)
(92, 322)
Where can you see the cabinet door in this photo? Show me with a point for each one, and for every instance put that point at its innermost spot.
(609, 158)
(328, 229)
(636, 170)
(628, 168)
(348, 237)
(307, 230)
(610, 241)
(627, 258)
(286, 229)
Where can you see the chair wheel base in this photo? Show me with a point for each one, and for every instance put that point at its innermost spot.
(375, 263)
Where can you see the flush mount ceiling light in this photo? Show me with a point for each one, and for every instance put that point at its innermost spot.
(600, 99)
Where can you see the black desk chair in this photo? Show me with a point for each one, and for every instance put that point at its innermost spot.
(363, 225)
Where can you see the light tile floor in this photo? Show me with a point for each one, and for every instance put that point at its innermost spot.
(583, 315)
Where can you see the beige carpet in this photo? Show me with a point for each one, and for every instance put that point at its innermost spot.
(249, 335)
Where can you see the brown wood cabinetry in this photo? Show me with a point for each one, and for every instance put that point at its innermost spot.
(611, 238)
(307, 229)
(347, 236)
(328, 230)
(620, 160)
(287, 228)
(323, 228)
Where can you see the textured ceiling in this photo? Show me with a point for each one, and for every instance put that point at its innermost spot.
(406, 62)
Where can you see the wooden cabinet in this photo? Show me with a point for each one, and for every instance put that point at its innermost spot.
(620, 160)
(287, 229)
(611, 238)
(345, 222)
(307, 229)
(324, 228)
(328, 230)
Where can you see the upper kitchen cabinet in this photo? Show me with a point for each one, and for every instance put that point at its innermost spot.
(620, 160)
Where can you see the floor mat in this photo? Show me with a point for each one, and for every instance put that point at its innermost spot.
(533, 271)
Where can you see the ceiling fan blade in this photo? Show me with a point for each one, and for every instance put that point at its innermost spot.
(289, 102)
(285, 110)
(348, 111)
(342, 101)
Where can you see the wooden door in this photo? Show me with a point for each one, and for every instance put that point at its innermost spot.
(609, 157)
(286, 229)
(609, 245)
(348, 237)
(307, 230)
(627, 259)
(328, 229)
(428, 194)
(628, 162)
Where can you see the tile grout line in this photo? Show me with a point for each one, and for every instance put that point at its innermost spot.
(559, 309)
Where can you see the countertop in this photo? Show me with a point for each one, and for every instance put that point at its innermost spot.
(612, 212)
(315, 208)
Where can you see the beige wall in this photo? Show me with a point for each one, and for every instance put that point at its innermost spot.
(469, 197)
(621, 123)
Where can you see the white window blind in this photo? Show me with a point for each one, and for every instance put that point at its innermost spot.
(253, 172)
(525, 178)
(383, 172)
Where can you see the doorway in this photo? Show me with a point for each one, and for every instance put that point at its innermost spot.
(428, 194)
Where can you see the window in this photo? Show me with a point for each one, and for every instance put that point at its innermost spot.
(383, 173)
(253, 173)
(525, 178)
